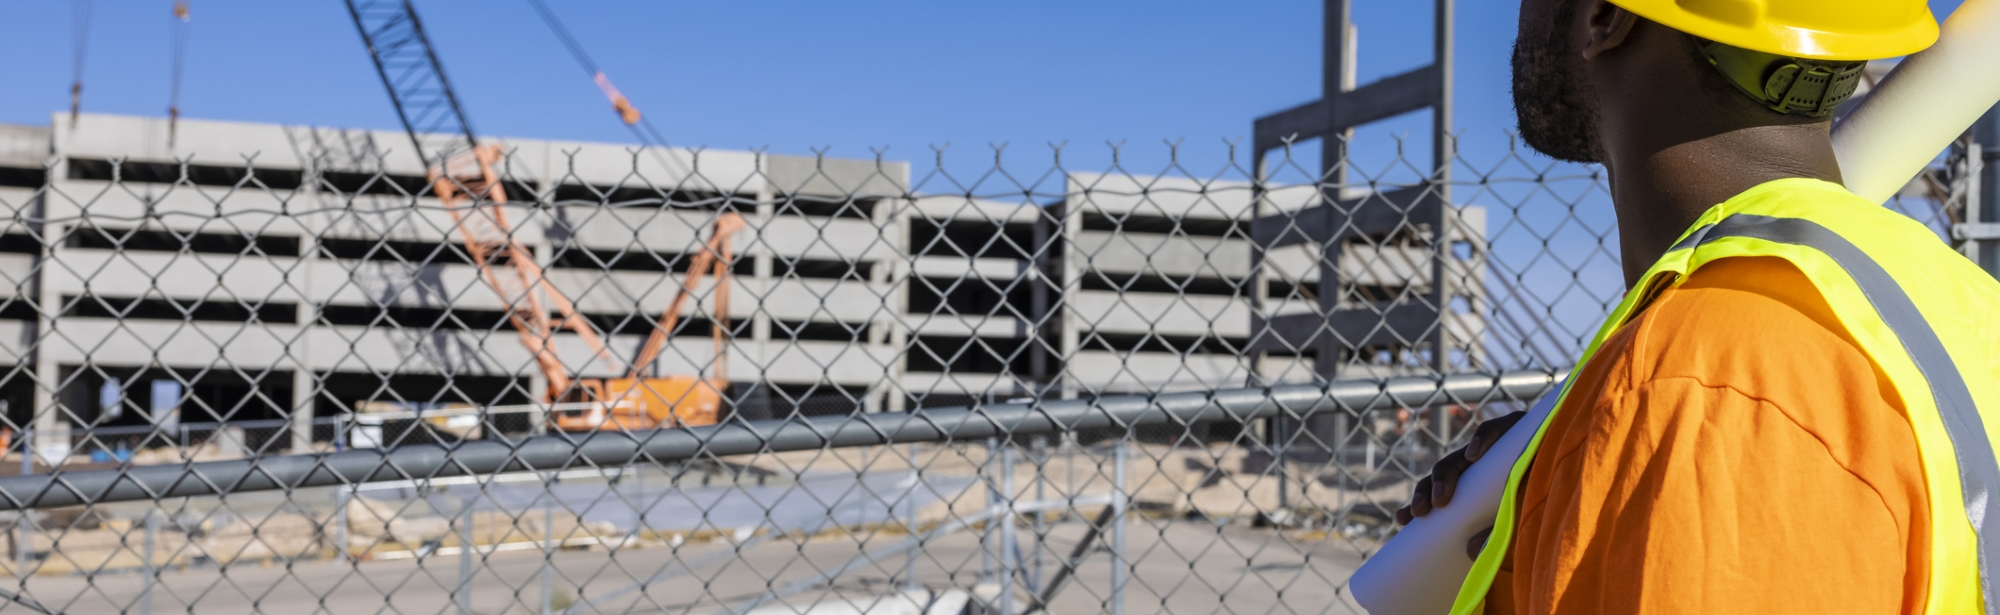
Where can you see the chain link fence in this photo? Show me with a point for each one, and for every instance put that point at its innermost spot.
(285, 378)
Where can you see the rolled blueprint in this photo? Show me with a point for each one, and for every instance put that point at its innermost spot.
(1418, 572)
(1925, 103)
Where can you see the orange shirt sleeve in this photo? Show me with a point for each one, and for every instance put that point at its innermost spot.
(1731, 451)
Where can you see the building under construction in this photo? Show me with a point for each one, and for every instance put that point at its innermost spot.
(281, 278)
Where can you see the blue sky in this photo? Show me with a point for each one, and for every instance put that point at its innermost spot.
(850, 77)
(790, 76)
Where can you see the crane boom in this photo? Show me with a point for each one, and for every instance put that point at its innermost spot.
(463, 177)
(414, 78)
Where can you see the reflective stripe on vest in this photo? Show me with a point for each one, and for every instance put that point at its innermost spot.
(1878, 308)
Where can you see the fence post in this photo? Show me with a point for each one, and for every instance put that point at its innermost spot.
(1041, 454)
(24, 552)
(992, 500)
(465, 557)
(910, 502)
(1279, 431)
(548, 547)
(152, 571)
(1368, 431)
(341, 522)
(1008, 545)
(24, 530)
(1119, 498)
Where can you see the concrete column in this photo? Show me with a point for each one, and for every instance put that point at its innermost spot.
(47, 418)
(1040, 296)
(549, 170)
(545, 175)
(1260, 289)
(538, 382)
(761, 283)
(1071, 280)
(891, 331)
(304, 385)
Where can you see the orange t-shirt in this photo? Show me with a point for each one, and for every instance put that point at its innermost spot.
(1731, 450)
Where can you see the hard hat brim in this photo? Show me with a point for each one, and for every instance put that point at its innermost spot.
(1775, 36)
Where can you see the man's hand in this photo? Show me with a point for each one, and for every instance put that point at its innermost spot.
(1435, 491)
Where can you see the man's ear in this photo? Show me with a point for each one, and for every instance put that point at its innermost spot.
(1606, 26)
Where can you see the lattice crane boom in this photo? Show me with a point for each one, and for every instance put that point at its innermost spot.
(415, 80)
(463, 177)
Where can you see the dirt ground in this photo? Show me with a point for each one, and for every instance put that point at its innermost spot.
(1179, 567)
(1200, 534)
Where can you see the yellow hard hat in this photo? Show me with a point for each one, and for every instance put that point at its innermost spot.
(1813, 29)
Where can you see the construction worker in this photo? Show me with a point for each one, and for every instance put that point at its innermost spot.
(1784, 415)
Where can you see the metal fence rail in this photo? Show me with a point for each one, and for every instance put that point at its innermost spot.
(614, 449)
(278, 380)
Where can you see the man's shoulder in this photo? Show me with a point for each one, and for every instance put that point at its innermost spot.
(1755, 325)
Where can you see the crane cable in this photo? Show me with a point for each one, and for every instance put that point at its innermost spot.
(180, 44)
(79, 13)
(642, 127)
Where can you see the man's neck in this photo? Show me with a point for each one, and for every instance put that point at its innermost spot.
(1660, 189)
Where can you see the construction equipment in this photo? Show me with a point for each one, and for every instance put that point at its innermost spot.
(463, 176)
(639, 402)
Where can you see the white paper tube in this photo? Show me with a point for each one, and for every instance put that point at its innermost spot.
(1419, 571)
(1925, 103)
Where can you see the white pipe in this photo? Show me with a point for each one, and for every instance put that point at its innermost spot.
(1925, 103)
(1418, 572)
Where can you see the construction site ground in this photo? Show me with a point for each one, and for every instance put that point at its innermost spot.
(1255, 568)
(1201, 528)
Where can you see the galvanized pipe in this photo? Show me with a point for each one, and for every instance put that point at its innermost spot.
(560, 451)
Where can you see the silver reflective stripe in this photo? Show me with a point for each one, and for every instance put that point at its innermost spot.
(1693, 239)
(1978, 473)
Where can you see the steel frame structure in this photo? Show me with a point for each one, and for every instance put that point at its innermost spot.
(1331, 330)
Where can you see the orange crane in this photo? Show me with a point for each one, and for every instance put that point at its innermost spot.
(639, 402)
(463, 177)
(476, 200)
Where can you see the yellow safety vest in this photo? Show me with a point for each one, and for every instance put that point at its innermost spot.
(1924, 314)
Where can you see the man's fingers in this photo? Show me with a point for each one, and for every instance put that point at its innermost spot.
(1477, 447)
(1477, 543)
(1438, 489)
(1489, 433)
(1420, 502)
(1444, 478)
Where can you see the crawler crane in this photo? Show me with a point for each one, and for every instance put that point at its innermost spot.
(463, 177)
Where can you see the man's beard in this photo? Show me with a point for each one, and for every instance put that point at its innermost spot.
(1551, 96)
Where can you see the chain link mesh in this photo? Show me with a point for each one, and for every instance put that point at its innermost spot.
(306, 296)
